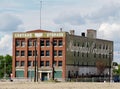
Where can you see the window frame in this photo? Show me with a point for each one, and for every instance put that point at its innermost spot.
(42, 51)
(60, 63)
(47, 52)
(47, 42)
(60, 43)
(22, 63)
(30, 52)
(22, 53)
(17, 43)
(60, 53)
(30, 43)
(17, 53)
(47, 63)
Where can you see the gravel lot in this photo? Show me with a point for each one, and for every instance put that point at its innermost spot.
(63, 85)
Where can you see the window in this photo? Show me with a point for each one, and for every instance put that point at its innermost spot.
(77, 73)
(78, 44)
(94, 55)
(87, 44)
(82, 54)
(22, 53)
(87, 54)
(41, 42)
(47, 63)
(83, 45)
(103, 56)
(59, 63)
(29, 53)
(60, 53)
(42, 53)
(17, 53)
(22, 43)
(99, 55)
(47, 43)
(17, 63)
(78, 54)
(17, 43)
(47, 53)
(106, 56)
(34, 53)
(55, 42)
(100, 46)
(34, 63)
(22, 63)
(29, 63)
(74, 43)
(78, 64)
(74, 53)
(95, 45)
(106, 47)
(29, 42)
(74, 63)
(103, 46)
(34, 43)
(60, 43)
(55, 52)
(41, 63)
(55, 63)
(69, 74)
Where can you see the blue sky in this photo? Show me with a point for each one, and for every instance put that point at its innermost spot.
(24, 15)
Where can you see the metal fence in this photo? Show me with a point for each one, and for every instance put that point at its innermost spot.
(80, 79)
(86, 79)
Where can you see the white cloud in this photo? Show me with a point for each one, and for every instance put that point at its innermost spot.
(9, 23)
(109, 31)
(71, 19)
(78, 15)
(6, 45)
(107, 13)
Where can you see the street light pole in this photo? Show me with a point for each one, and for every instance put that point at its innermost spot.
(110, 67)
(52, 60)
(35, 62)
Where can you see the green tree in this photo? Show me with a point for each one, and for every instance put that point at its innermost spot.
(116, 68)
(5, 65)
(115, 64)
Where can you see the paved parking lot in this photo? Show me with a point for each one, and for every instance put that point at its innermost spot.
(63, 85)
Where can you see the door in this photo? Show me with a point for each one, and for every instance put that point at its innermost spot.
(44, 77)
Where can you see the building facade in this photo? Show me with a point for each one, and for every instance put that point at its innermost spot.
(59, 55)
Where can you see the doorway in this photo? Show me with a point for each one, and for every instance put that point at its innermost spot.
(44, 77)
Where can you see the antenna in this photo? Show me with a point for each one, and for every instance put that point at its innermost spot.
(40, 12)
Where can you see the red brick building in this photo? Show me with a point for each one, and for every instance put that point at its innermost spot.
(59, 55)
(50, 48)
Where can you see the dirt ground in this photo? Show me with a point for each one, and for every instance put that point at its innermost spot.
(63, 85)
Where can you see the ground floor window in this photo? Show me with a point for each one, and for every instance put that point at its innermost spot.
(19, 73)
(30, 74)
(58, 74)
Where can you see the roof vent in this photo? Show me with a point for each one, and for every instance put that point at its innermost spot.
(83, 34)
(72, 32)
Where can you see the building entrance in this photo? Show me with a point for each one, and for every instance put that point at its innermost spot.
(44, 77)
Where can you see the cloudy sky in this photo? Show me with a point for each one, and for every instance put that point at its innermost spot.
(24, 15)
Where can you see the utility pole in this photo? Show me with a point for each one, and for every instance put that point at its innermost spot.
(53, 70)
(35, 62)
(110, 60)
